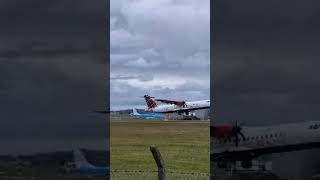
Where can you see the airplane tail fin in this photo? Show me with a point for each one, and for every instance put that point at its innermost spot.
(135, 112)
(80, 160)
(150, 102)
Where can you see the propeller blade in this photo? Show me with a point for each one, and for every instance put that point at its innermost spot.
(241, 134)
(238, 131)
(146, 96)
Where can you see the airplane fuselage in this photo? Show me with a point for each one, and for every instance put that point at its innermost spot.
(188, 106)
(271, 136)
(146, 116)
(267, 140)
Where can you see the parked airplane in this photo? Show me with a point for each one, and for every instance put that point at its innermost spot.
(82, 166)
(232, 143)
(171, 106)
(135, 114)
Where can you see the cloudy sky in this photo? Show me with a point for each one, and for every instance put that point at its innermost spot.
(266, 61)
(52, 72)
(159, 48)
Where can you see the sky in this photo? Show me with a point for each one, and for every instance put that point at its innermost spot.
(266, 61)
(52, 73)
(160, 48)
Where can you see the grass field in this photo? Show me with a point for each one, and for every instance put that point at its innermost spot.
(184, 145)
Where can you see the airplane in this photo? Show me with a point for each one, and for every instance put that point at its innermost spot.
(173, 106)
(135, 114)
(234, 143)
(82, 166)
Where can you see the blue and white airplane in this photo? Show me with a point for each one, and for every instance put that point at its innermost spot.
(82, 166)
(137, 115)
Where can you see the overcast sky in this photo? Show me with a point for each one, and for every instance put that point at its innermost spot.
(266, 61)
(160, 48)
(52, 72)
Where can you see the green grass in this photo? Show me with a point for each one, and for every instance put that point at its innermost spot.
(184, 146)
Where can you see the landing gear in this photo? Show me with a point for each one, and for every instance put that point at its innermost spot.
(246, 164)
(186, 113)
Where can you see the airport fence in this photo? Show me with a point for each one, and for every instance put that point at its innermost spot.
(151, 175)
(161, 174)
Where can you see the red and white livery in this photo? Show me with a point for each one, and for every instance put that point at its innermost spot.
(174, 106)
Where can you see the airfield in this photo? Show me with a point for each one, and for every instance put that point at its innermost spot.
(184, 146)
(45, 166)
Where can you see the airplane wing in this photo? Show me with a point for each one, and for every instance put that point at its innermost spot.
(178, 103)
(182, 110)
(254, 153)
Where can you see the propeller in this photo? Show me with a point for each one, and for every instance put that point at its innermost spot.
(237, 130)
(147, 96)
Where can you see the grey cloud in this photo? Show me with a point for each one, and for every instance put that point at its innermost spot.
(265, 61)
(146, 77)
(171, 40)
(53, 70)
(45, 51)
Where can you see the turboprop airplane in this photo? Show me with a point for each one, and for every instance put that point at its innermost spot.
(232, 143)
(135, 114)
(82, 166)
(172, 106)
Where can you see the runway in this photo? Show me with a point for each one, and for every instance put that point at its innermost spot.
(162, 121)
